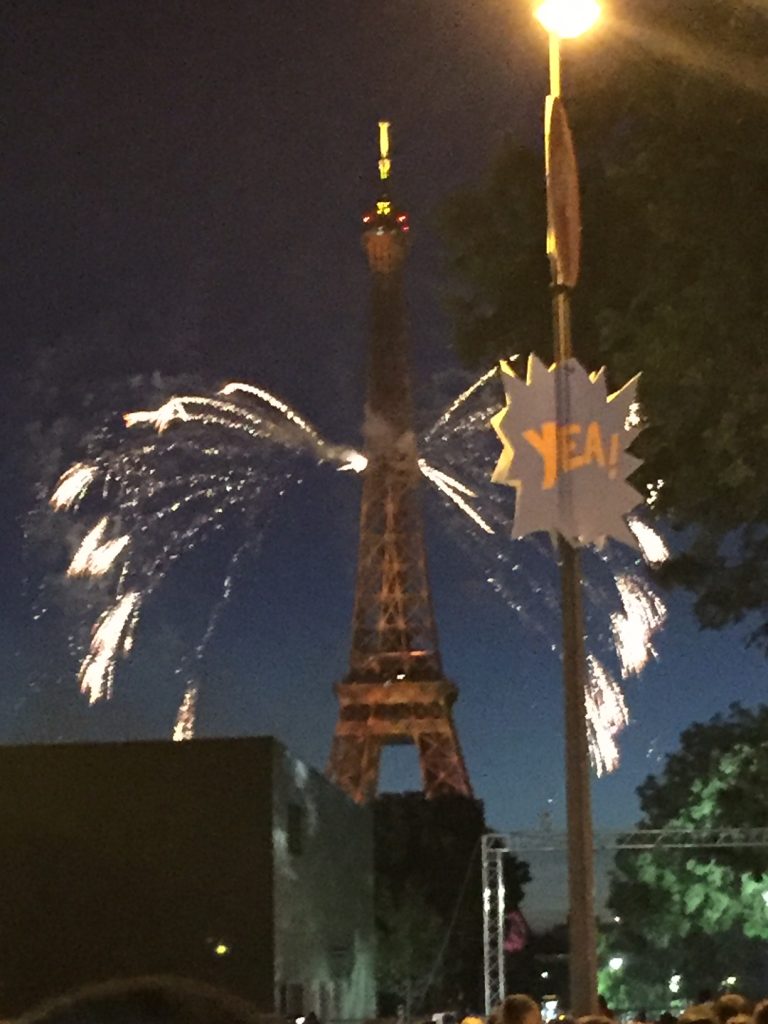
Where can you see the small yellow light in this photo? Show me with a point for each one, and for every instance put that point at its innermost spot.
(383, 208)
(568, 18)
(221, 949)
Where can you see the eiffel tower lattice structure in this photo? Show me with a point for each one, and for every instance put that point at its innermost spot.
(395, 691)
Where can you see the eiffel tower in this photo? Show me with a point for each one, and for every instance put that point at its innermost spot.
(395, 691)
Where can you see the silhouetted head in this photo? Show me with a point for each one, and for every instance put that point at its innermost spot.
(699, 1013)
(730, 1005)
(155, 1000)
(594, 1018)
(518, 1009)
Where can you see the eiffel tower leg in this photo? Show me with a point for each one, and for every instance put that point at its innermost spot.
(443, 771)
(354, 766)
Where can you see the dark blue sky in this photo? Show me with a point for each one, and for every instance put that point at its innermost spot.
(182, 186)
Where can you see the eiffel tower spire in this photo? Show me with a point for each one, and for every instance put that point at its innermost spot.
(395, 691)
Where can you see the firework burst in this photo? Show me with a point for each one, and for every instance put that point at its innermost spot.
(524, 572)
(199, 464)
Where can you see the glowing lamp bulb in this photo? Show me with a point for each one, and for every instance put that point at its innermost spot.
(568, 18)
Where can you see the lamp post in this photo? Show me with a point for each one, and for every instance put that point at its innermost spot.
(565, 19)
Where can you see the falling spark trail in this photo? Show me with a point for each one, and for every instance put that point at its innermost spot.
(444, 419)
(112, 636)
(652, 545)
(276, 403)
(184, 728)
(644, 614)
(72, 485)
(186, 718)
(454, 490)
(606, 716)
(95, 556)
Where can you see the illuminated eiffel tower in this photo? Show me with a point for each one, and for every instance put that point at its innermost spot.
(395, 691)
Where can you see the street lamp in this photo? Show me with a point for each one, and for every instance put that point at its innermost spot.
(565, 19)
(568, 18)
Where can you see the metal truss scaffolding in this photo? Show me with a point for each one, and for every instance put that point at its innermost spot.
(496, 845)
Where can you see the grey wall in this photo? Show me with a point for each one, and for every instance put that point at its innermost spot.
(324, 932)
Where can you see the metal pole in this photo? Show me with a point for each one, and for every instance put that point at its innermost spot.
(485, 861)
(582, 928)
(493, 922)
(500, 922)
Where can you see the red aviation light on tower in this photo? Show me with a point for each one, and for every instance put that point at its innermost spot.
(384, 217)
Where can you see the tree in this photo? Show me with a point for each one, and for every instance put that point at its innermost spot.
(430, 850)
(671, 124)
(701, 914)
(410, 935)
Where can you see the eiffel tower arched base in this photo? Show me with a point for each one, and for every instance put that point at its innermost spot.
(373, 715)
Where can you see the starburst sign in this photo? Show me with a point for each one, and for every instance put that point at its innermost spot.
(565, 446)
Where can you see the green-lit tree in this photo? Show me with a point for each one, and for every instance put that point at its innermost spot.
(670, 117)
(700, 914)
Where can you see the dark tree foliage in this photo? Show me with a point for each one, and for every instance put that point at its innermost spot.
(670, 114)
(699, 913)
(427, 859)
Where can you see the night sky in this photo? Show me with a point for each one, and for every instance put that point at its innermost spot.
(182, 186)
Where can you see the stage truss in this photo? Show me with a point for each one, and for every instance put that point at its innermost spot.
(496, 845)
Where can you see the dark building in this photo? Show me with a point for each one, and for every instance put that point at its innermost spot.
(227, 861)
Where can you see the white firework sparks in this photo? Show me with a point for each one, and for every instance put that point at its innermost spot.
(265, 396)
(652, 545)
(444, 419)
(633, 629)
(72, 485)
(160, 418)
(355, 462)
(186, 719)
(606, 716)
(95, 556)
(111, 638)
(454, 489)
(654, 490)
(170, 493)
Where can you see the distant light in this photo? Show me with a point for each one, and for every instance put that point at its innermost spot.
(674, 983)
(617, 919)
(730, 980)
(221, 949)
(616, 963)
(568, 18)
(545, 974)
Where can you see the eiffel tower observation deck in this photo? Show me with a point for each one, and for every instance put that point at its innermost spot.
(395, 691)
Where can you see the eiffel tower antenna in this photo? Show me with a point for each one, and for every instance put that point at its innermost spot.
(395, 691)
